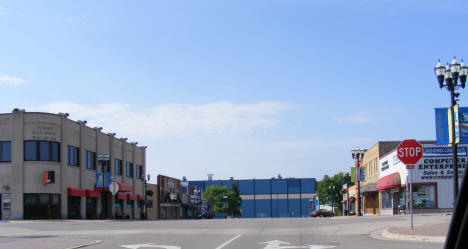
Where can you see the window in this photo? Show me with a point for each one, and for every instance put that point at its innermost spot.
(118, 166)
(5, 151)
(90, 160)
(129, 169)
(73, 156)
(387, 199)
(139, 172)
(130, 205)
(41, 151)
(424, 196)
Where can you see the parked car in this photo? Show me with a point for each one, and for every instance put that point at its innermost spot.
(206, 215)
(322, 213)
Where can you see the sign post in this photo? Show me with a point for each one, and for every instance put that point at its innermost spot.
(113, 188)
(410, 152)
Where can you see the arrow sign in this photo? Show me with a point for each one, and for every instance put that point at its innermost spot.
(276, 244)
(149, 245)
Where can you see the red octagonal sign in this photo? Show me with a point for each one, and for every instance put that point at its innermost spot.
(410, 151)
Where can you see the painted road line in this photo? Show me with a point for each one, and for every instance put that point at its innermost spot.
(149, 245)
(229, 241)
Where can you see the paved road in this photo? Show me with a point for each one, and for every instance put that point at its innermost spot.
(316, 233)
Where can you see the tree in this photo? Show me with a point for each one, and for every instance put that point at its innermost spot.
(214, 194)
(329, 189)
(230, 205)
(235, 202)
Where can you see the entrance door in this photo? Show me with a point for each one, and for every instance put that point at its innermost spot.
(74, 207)
(396, 202)
(91, 208)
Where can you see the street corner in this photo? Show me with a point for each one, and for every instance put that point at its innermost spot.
(400, 235)
(49, 244)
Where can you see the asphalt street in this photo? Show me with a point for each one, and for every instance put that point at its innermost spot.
(312, 233)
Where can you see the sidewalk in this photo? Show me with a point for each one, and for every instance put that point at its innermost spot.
(427, 233)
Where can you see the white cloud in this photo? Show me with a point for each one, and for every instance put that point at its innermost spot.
(358, 118)
(9, 80)
(171, 120)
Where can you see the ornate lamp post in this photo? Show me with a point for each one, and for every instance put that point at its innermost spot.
(358, 154)
(450, 74)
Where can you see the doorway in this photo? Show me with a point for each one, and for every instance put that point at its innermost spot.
(41, 206)
(74, 207)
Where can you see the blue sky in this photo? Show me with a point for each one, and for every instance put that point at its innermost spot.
(235, 88)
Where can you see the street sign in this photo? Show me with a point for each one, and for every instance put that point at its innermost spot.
(410, 151)
(113, 188)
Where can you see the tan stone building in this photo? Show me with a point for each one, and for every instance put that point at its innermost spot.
(54, 167)
(372, 174)
(152, 206)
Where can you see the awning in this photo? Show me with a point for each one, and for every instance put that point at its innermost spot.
(388, 182)
(76, 192)
(132, 197)
(124, 187)
(93, 194)
(370, 187)
(121, 196)
(141, 197)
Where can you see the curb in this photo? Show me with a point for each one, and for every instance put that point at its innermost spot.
(394, 236)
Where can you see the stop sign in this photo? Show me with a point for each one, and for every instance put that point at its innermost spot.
(410, 151)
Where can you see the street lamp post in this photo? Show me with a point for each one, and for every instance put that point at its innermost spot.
(358, 154)
(331, 190)
(450, 74)
(225, 211)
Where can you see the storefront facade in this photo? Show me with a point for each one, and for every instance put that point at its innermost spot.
(432, 180)
(54, 168)
(169, 202)
(370, 162)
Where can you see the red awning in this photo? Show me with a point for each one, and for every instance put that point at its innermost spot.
(388, 182)
(121, 196)
(93, 193)
(76, 192)
(132, 197)
(141, 197)
(124, 187)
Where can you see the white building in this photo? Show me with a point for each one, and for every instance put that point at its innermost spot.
(432, 180)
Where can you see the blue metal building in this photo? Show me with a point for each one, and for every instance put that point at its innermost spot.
(293, 197)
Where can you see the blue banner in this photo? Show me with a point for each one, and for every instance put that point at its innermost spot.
(107, 179)
(98, 180)
(443, 127)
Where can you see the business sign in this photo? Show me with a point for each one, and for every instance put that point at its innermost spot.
(443, 151)
(443, 120)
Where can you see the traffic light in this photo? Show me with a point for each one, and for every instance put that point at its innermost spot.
(49, 177)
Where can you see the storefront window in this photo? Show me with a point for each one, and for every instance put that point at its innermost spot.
(118, 208)
(387, 199)
(402, 197)
(129, 204)
(424, 196)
